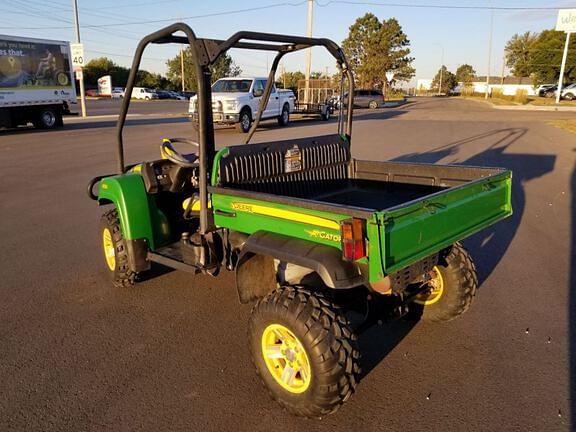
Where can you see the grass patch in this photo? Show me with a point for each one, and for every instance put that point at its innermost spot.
(569, 125)
(522, 99)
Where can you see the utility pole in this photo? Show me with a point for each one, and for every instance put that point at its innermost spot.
(489, 53)
(182, 67)
(283, 76)
(77, 25)
(309, 51)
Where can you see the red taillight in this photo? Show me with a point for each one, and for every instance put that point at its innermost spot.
(353, 246)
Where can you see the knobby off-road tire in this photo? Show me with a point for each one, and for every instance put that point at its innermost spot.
(324, 336)
(459, 284)
(118, 267)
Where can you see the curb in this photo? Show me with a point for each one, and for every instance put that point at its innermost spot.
(76, 119)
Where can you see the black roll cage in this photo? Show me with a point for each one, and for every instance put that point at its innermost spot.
(204, 53)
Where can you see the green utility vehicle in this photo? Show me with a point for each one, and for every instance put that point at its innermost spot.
(324, 244)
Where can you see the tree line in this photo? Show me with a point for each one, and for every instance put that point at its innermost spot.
(538, 55)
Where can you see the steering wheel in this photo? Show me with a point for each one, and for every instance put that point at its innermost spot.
(168, 151)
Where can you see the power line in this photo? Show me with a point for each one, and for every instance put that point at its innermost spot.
(439, 6)
(214, 14)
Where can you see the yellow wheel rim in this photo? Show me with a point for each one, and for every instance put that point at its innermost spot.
(436, 284)
(286, 358)
(109, 250)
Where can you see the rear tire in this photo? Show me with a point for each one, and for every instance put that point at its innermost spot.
(304, 351)
(115, 250)
(455, 286)
(284, 117)
(48, 118)
(569, 96)
(326, 114)
(373, 104)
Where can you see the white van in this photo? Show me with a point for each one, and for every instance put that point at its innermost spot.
(143, 93)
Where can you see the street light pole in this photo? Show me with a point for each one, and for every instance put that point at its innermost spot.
(489, 53)
(441, 67)
(77, 25)
(309, 51)
(182, 67)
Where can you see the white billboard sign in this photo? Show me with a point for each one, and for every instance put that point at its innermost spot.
(105, 85)
(566, 20)
(77, 53)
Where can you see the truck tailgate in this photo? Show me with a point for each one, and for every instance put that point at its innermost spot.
(421, 227)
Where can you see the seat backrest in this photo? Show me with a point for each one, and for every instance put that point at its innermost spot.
(300, 167)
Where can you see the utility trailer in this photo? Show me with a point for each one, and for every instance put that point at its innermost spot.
(313, 96)
(315, 237)
(36, 82)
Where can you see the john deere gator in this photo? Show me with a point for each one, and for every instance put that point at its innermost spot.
(313, 237)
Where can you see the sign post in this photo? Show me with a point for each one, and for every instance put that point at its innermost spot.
(77, 53)
(566, 22)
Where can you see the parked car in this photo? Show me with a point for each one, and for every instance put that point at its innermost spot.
(91, 92)
(188, 94)
(143, 93)
(117, 93)
(543, 88)
(367, 98)
(177, 95)
(163, 94)
(569, 92)
(551, 91)
(236, 101)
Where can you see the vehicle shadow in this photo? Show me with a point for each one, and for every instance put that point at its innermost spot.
(96, 124)
(487, 247)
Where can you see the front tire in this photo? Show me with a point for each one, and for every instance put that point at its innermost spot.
(452, 287)
(244, 121)
(373, 104)
(115, 250)
(569, 96)
(284, 117)
(304, 351)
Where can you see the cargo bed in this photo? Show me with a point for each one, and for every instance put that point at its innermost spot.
(412, 210)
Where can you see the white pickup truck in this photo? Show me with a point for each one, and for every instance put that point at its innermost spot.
(237, 101)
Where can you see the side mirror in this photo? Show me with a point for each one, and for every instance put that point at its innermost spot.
(257, 92)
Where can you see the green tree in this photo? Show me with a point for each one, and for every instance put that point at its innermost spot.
(546, 57)
(289, 80)
(224, 67)
(151, 80)
(519, 53)
(449, 80)
(465, 74)
(101, 66)
(374, 47)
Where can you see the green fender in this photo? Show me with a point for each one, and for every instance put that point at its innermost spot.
(140, 218)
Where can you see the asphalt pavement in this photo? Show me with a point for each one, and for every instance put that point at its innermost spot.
(76, 354)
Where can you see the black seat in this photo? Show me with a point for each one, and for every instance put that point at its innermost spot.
(301, 168)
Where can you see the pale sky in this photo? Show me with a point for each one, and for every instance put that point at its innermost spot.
(461, 33)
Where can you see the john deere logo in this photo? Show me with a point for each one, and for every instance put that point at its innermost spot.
(242, 207)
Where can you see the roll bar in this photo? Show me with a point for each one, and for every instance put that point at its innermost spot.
(204, 53)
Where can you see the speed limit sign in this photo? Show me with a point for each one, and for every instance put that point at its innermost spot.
(77, 52)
